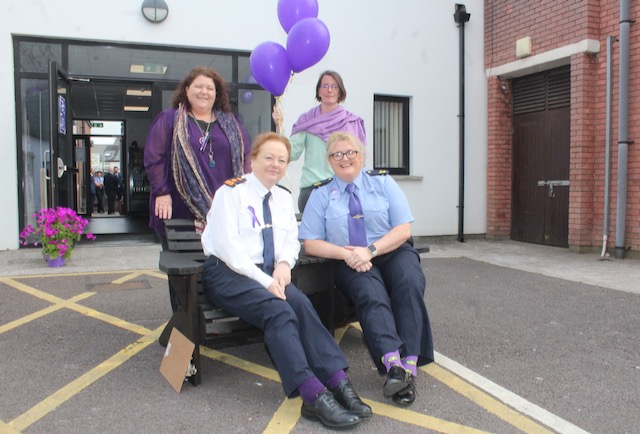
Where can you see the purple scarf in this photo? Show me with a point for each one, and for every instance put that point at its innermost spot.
(324, 124)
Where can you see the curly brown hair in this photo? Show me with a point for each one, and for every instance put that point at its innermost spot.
(222, 97)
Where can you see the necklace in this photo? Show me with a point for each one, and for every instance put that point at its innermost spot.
(206, 139)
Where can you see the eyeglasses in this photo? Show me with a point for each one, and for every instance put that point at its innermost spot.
(339, 156)
(329, 86)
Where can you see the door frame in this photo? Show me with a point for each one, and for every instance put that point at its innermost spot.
(60, 179)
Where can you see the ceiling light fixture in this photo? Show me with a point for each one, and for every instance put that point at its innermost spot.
(155, 11)
(138, 92)
(134, 108)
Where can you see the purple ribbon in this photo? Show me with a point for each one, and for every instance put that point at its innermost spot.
(254, 220)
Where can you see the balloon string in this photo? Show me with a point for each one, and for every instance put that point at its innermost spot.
(279, 100)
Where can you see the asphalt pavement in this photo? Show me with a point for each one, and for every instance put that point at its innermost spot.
(529, 338)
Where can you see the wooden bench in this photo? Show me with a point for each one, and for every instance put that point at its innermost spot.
(202, 322)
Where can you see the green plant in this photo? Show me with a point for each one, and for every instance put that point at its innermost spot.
(57, 230)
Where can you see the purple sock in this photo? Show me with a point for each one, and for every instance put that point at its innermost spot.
(392, 358)
(410, 363)
(310, 389)
(336, 378)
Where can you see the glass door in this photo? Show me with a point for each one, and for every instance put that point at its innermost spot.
(59, 164)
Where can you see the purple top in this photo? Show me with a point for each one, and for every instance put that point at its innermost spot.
(157, 162)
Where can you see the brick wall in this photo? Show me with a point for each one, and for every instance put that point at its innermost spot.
(553, 24)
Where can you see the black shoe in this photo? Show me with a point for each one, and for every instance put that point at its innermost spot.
(327, 410)
(407, 396)
(396, 381)
(347, 397)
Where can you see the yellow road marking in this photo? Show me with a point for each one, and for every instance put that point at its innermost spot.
(7, 429)
(236, 362)
(31, 291)
(418, 419)
(127, 277)
(485, 401)
(109, 319)
(157, 274)
(84, 273)
(52, 402)
(46, 311)
(285, 418)
(77, 307)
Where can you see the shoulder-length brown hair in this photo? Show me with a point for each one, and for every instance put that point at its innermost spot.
(338, 79)
(222, 97)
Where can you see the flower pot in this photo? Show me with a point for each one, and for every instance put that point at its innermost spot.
(55, 262)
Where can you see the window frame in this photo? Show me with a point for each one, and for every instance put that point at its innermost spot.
(404, 144)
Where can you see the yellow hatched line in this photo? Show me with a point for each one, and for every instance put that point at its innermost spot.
(236, 362)
(157, 274)
(482, 399)
(77, 307)
(110, 319)
(52, 402)
(127, 277)
(31, 291)
(7, 429)
(418, 419)
(285, 418)
(43, 312)
(83, 273)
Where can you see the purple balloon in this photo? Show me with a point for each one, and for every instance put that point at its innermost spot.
(307, 43)
(292, 11)
(270, 67)
(246, 96)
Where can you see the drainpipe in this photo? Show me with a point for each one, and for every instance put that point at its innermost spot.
(460, 17)
(607, 151)
(623, 121)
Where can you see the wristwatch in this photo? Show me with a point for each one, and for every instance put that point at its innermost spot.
(373, 250)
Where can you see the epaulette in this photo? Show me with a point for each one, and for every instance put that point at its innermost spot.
(235, 181)
(321, 183)
(377, 172)
(283, 187)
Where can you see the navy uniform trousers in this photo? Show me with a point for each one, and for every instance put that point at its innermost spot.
(389, 302)
(299, 344)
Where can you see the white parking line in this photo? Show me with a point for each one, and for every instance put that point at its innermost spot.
(509, 398)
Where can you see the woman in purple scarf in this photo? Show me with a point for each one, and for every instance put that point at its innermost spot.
(313, 128)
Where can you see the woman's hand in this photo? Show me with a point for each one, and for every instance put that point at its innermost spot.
(163, 207)
(277, 289)
(282, 273)
(358, 258)
(277, 117)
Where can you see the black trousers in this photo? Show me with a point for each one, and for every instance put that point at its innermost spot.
(389, 302)
(299, 345)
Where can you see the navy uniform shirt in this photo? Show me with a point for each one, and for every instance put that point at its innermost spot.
(384, 206)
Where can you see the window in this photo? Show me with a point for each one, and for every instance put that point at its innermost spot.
(391, 134)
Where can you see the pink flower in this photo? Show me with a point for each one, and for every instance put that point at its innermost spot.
(57, 230)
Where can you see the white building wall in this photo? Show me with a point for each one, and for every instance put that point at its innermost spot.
(407, 48)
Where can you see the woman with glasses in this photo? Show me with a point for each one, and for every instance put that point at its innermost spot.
(362, 220)
(251, 244)
(313, 128)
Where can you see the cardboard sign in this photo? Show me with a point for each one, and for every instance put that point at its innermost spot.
(177, 358)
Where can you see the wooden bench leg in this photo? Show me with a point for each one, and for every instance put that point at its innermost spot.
(192, 325)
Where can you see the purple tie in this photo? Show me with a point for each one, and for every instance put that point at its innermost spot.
(357, 231)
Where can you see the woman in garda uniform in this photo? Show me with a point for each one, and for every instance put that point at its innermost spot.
(362, 219)
(251, 243)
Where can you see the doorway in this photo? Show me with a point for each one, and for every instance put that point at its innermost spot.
(541, 145)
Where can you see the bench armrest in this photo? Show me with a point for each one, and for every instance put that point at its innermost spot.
(181, 264)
